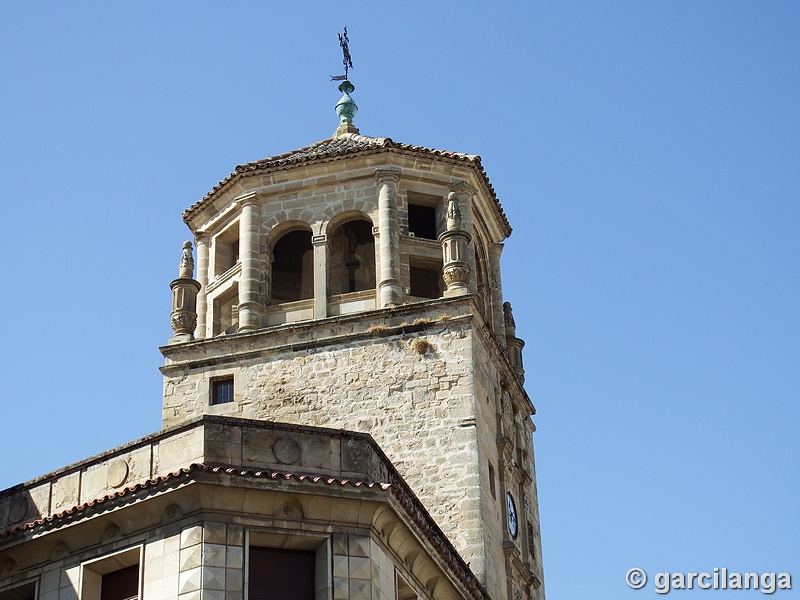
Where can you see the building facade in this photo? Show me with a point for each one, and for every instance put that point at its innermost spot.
(343, 402)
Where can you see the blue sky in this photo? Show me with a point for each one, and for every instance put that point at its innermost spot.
(646, 153)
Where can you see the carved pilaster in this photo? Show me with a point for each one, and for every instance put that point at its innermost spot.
(184, 298)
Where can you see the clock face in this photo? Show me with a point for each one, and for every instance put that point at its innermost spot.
(513, 523)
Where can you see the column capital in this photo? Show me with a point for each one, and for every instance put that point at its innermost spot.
(495, 249)
(250, 198)
(201, 237)
(384, 173)
(462, 187)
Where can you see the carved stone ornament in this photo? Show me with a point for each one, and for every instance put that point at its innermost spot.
(456, 274)
(286, 450)
(18, 510)
(183, 322)
(453, 215)
(186, 266)
(60, 549)
(508, 318)
(112, 532)
(117, 473)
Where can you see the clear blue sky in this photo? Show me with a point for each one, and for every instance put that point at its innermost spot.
(647, 154)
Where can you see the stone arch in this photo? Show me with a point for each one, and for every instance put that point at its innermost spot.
(292, 270)
(351, 267)
(285, 221)
(355, 205)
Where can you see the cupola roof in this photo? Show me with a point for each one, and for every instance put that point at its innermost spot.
(341, 147)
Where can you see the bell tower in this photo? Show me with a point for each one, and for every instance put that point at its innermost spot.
(355, 283)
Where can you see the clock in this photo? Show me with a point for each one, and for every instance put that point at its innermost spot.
(513, 522)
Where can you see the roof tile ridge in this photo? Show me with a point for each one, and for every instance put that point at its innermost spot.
(471, 157)
(365, 139)
(288, 154)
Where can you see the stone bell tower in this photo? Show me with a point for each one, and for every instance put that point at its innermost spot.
(355, 284)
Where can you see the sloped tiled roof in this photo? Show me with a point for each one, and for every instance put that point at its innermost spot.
(337, 148)
(174, 477)
(398, 488)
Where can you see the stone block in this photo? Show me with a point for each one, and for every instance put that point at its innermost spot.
(213, 578)
(191, 557)
(234, 557)
(360, 589)
(190, 581)
(213, 555)
(214, 533)
(340, 566)
(191, 535)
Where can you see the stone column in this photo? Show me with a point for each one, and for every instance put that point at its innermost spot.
(321, 253)
(184, 299)
(250, 309)
(454, 241)
(496, 290)
(201, 241)
(389, 239)
(464, 194)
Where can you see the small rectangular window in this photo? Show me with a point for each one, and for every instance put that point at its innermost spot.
(422, 221)
(121, 585)
(222, 390)
(113, 577)
(404, 591)
(426, 281)
(271, 568)
(492, 488)
(23, 592)
(226, 249)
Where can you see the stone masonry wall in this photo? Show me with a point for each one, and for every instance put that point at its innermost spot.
(413, 393)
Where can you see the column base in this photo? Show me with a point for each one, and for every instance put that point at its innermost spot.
(390, 293)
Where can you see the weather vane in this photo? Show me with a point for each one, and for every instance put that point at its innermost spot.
(346, 60)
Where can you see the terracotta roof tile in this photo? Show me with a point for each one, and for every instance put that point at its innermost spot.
(79, 509)
(399, 489)
(337, 148)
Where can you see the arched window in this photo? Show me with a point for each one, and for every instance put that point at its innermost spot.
(352, 262)
(293, 268)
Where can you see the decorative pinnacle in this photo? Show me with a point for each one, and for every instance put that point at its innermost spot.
(186, 267)
(453, 214)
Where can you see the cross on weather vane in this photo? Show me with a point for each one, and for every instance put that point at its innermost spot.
(346, 60)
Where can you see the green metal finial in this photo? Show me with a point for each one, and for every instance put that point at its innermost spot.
(346, 109)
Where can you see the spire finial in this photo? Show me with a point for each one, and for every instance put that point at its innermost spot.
(344, 42)
(346, 109)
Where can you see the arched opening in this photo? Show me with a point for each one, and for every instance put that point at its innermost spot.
(293, 268)
(352, 259)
